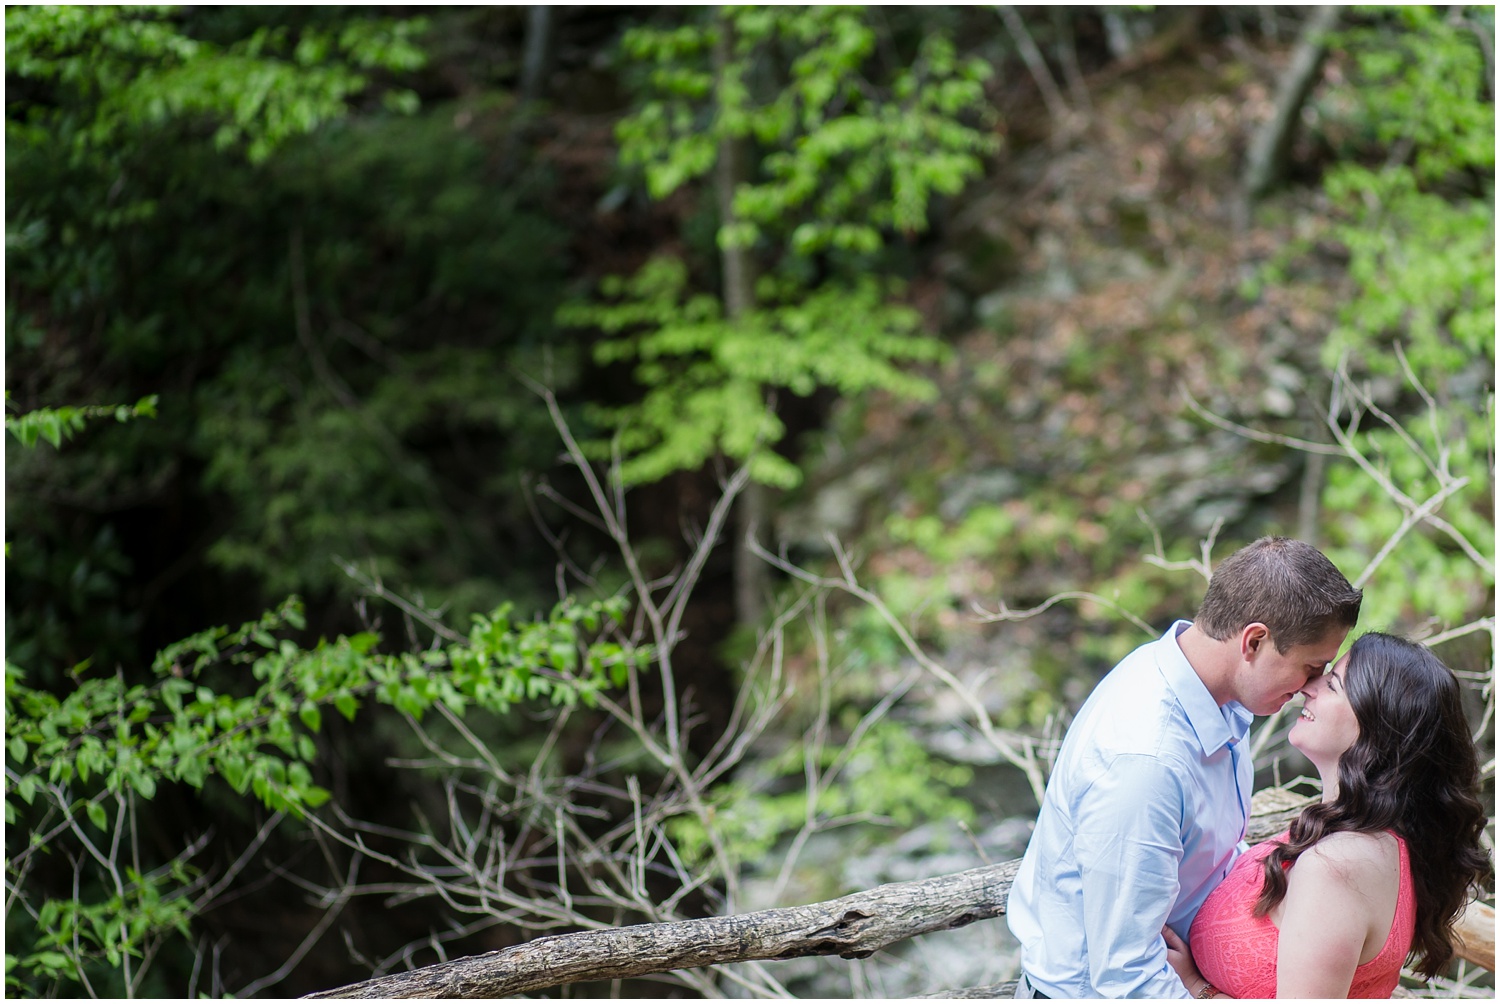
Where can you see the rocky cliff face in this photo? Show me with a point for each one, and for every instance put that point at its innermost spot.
(1100, 299)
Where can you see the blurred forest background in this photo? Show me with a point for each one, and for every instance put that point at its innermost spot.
(479, 472)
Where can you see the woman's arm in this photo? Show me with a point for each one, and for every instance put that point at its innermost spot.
(1335, 894)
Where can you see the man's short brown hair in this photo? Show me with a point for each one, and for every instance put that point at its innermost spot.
(1289, 586)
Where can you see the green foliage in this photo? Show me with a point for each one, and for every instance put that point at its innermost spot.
(1421, 256)
(56, 424)
(1420, 234)
(242, 706)
(1424, 267)
(189, 731)
(852, 148)
(373, 418)
(110, 929)
(1414, 342)
(192, 207)
(856, 149)
(704, 374)
(356, 460)
(1420, 88)
(1428, 575)
(120, 68)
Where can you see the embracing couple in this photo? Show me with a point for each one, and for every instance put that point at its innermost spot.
(1137, 882)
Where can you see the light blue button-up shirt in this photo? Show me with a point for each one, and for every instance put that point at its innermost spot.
(1144, 813)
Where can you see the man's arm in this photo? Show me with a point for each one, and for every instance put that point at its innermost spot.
(1128, 841)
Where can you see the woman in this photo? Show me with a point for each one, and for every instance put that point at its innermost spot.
(1380, 868)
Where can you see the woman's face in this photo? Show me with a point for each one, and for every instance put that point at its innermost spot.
(1326, 726)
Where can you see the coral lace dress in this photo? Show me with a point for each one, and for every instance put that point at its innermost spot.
(1236, 950)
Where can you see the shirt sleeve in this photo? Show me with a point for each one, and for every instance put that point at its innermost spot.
(1128, 841)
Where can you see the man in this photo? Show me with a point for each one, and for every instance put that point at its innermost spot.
(1147, 804)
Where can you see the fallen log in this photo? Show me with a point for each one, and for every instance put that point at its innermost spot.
(852, 927)
(995, 991)
(1475, 932)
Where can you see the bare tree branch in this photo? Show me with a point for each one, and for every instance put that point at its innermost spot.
(1035, 64)
(1018, 749)
(1259, 436)
(1004, 613)
(330, 914)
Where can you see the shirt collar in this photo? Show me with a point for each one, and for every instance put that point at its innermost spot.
(1215, 725)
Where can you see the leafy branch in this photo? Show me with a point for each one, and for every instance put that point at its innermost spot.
(104, 745)
(57, 424)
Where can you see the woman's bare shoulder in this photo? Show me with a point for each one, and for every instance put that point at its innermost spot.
(1354, 856)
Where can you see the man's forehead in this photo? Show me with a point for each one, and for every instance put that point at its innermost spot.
(1322, 651)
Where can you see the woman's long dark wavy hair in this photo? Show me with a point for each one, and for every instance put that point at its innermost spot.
(1413, 770)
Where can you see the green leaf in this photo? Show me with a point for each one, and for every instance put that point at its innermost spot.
(233, 770)
(52, 963)
(97, 815)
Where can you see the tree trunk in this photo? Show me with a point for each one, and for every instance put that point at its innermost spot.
(752, 579)
(535, 65)
(1032, 57)
(538, 58)
(1067, 56)
(752, 516)
(1266, 162)
(1180, 34)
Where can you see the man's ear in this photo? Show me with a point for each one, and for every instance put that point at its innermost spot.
(1252, 637)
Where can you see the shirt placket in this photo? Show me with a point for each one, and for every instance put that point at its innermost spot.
(1239, 789)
